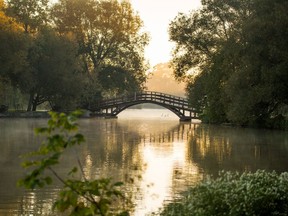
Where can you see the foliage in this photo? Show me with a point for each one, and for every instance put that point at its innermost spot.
(78, 196)
(32, 14)
(10, 96)
(232, 55)
(117, 80)
(44, 49)
(13, 48)
(108, 34)
(259, 193)
(13, 58)
(42, 64)
(54, 73)
(263, 71)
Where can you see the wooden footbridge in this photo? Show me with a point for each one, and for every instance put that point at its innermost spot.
(110, 108)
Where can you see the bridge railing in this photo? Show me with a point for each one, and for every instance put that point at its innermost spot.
(163, 98)
(146, 96)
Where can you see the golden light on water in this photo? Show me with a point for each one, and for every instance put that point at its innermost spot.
(169, 156)
(163, 163)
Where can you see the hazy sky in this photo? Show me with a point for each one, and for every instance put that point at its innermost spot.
(157, 14)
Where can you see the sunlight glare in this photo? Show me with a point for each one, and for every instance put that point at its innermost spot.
(157, 178)
(156, 15)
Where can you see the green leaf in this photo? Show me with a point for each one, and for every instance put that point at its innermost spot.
(74, 170)
(27, 164)
(118, 184)
(48, 180)
(40, 130)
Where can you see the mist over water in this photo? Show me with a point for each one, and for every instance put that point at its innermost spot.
(160, 154)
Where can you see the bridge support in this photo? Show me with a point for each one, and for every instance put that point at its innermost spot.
(110, 116)
(104, 115)
(185, 119)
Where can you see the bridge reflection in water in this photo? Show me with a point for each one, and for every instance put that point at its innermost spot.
(176, 134)
(171, 156)
(155, 150)
(162, 160)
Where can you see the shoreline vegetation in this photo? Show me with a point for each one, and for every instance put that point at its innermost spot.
(258, 193)
(25, 114)
(39, 114)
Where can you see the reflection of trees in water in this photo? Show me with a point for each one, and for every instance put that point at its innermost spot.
(116, 145)
(216, 148)
(112, 148)
(18, 138)
(121, 150)
(36, 202)
(109, 148)
(115, 148)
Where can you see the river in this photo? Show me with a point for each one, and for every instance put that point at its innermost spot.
(160, 154)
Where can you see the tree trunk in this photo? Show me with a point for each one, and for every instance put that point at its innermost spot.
(34, 106)
(35, 103)
(31, 98)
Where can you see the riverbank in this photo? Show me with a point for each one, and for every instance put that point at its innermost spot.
(37, 114)
(25, 114)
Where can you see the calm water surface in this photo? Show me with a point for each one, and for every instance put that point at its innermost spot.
(168, 155)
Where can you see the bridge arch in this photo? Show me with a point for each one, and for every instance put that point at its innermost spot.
(124, 107)
(178, 105)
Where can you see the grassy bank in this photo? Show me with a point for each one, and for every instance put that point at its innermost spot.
(234, 194)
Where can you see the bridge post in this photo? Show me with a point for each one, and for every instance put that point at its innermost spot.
(110, 116)
(185, 119)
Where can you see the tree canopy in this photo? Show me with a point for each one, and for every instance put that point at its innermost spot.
(12, 46)
(233, 55)
(54, 73)
(32, 14)
(108, 34)
(71, 49)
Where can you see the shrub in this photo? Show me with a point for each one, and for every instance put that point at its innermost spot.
(259, 193)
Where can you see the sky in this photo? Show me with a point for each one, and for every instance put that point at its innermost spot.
(156, 15)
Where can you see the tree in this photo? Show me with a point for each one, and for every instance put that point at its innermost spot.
(234, 51)
(108, 34)
(32, 14)
(13, 53)
(54, 73)
(198, 56)
(200, 35)
(260, 84)
(13, 45)
(116, 80)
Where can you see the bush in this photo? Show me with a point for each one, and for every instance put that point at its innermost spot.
(3, 108)
(259, 193)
